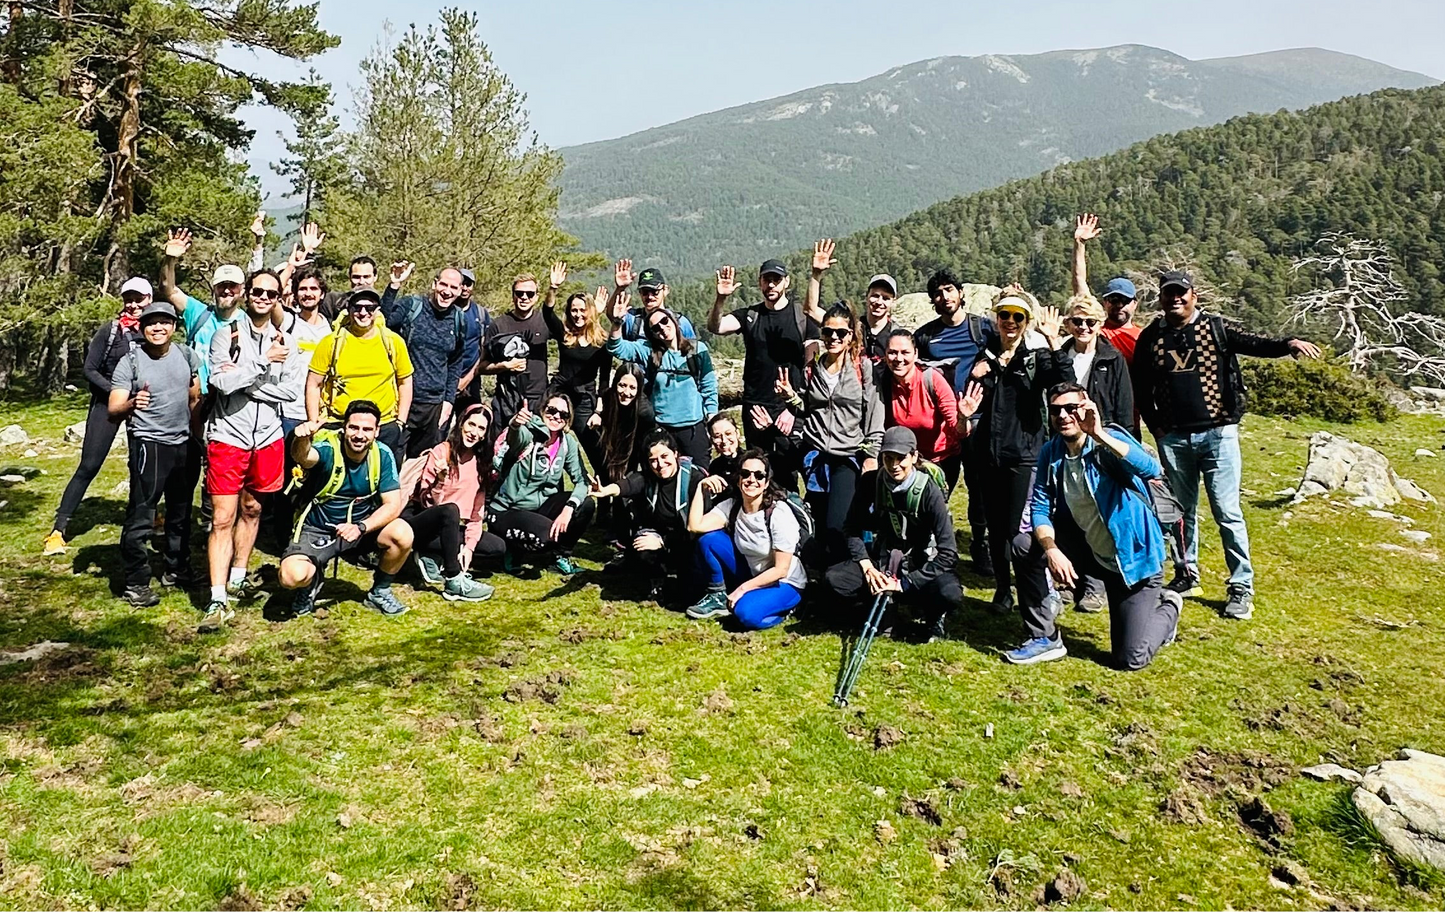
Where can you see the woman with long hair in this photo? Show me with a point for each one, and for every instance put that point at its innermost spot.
(582, 356)
(747, 550)
(842, 425)
(445, 511)
(680, 379)
(531, 510)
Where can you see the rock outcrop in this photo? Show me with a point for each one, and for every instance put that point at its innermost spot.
(1362, 473)
(1404, 800)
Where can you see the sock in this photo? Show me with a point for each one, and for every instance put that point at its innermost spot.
(382, 580)
(237, 574)
(218, 593)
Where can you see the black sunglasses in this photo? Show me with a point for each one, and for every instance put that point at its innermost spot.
(1081, 322)
(756, 474)
(555, 412)
(834, 332)
(363, 306)
(265, 294)
(649, 292)
(1011, 316)
(524, 295)
(1068, 408)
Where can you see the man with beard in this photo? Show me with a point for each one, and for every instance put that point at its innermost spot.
(436, 334)
(652, 288)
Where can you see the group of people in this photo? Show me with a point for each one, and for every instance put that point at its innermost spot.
(353, 425)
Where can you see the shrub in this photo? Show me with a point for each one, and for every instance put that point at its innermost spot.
(1325, 389)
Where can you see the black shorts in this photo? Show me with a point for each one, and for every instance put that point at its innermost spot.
(322, 547)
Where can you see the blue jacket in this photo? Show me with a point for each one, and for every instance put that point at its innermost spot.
(682, 389)
(1119, 490)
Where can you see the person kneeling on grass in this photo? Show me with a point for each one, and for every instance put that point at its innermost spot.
(445, 511)
(747, 552)
(1092, 513)
(904, 507)
(355, 508)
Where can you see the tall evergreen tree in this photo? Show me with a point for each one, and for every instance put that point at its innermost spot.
(315, 161)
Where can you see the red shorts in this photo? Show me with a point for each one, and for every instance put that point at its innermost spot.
(230, 469)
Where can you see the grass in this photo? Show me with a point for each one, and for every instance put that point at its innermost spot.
(562, 746)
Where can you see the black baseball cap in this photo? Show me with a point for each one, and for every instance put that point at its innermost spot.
(773, 267)
(362, 295)
(1176, 277)
(158, 310)
(650, 278)
(899, 440)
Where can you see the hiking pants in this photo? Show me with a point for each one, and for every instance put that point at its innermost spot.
(157, 470)
(938, 597)
(421, 432)
(531, 530)
(437, 531)
(723, 568)
(1006, 491)
(830, 507)
(100, 433)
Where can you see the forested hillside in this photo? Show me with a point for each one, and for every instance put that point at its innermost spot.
(747, 182)
(1241, 200)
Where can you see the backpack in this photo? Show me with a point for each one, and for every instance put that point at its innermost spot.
(459, 323)
(800, 318)
(857, 369)
(898, 520)
(652, 368)
(949, 368)
(338, 334)
(412, 470)
(1157, 495)
(684, 477)
(804, 516)
(130, 354)
(883, 379)
(337, 476)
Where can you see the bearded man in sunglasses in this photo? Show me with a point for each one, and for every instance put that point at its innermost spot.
(514, 349)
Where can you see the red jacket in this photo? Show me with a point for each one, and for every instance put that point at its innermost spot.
(924, 404)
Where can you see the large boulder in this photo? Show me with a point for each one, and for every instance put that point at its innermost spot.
(1404, 800)
(1362, 473)
(913, 310)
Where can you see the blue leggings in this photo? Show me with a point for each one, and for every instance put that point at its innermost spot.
(722, 566)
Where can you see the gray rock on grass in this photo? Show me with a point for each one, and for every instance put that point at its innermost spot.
(13, 435)
(1363, 473)
(1404, 800)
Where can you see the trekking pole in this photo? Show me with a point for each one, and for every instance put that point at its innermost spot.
(848, 675)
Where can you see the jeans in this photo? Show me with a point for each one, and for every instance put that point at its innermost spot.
(1214, 454)
(723, 567)
(157, 470)
(100, 433)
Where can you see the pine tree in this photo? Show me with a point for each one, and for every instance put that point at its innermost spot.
(315, 163)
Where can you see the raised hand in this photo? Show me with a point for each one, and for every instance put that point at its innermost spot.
(258, 226)
(599, 298)
(177, 243)
(785, 422)
(761, 418)
(970, 399)
(299, 257)
(726, 281)
(823, 254)
(401, 270)
(784, 386)
(622, 273)
(1050, 320)
(307, 429)
(619, 307)
(595, 420)
(1087, 228)
(1088, 418)
(559, 274)
(311, 236)
(523, 416)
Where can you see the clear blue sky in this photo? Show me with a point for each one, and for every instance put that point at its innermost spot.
(595, 70)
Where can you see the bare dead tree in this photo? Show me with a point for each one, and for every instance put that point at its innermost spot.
(1364, 310)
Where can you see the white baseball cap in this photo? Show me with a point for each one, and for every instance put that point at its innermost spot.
(228, 273)
(137, 283)
(886, 281)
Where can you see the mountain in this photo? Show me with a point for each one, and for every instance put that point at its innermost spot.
(742, 184)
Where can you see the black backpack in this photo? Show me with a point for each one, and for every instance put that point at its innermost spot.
(801, 513)
(1161, 500)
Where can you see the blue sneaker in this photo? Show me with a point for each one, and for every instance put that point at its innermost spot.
(712, 605)
(303, 603)
(567, 567)
(1039, 649)
(430, 570)
(385, 601)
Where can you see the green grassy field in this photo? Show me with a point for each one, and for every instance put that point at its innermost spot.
(565, 746)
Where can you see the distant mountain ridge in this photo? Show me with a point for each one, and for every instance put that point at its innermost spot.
(752, 181)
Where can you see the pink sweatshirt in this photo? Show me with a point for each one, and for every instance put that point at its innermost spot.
(463, 488)
(912, 406)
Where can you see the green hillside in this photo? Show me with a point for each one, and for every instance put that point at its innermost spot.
(743, 183)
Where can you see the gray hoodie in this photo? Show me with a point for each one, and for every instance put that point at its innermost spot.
(249, 389)
(845, 417)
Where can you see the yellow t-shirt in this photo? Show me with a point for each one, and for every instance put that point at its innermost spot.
(364, 370)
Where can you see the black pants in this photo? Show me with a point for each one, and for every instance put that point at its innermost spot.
(591, 440)
(693, 441)
(830, 507)
(785, 451)
(845, 579)
(1006, 490)
(531, 530)
(437, 532)
(973, 469)
(100, 433)
(421, 432)
(157, 470)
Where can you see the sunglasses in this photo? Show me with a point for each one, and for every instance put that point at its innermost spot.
(833, 332)
(1011, 316)
(552, 411)
(265, 294)
(523, 295)
(660, 321)
(754, 474)
(1081, 322)
(365, 307)
(1067, 408)
(649, 292)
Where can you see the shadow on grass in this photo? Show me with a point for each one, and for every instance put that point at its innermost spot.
(20, 504)
(677, 888)
(95, 512)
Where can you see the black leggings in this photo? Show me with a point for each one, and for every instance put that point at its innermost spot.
(830, 507)
(693, 441)
(100, 433)
(1006, 490)
(531, 530)
(437, 531)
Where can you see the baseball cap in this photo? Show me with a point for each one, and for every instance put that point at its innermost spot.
(467, 276)
(137, 284)
(158, 309)
(773, 267)
(1122, 287)
(899, 440)
(1176, 277)
(884, 278)
(650, 278)
(228, 273)
(362, 295)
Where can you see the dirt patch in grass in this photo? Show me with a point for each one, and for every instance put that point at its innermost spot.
(1236, 773)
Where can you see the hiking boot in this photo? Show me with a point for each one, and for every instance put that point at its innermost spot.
(979, 553)
(567, 567)
(936, 631)
(1175, 599)
(1240, 606)
(303, 603)
(140, 596)
(712, 605)
(1093, 602)
(243, 590)
(54, 543)
(385, 601)
(1003, 602)
(1039, 649)
(430, 570)
(618, 565)
(462, 588)
(1186, 582)
(216, 615)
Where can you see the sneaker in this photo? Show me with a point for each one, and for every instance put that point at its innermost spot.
(1240, 606)
(937, 629)
(1093, 603)
(303, 603)
(215, 617)
(1175, 599)
(243, 590)
(619, 565)
(1186, 583)
(54, 543)
(385, 601)
(178, 579)
(140, 596)
(567, 567)
(1039, 649)
(430, 570)
(1003, 602)
(462, 588)
(712, 605)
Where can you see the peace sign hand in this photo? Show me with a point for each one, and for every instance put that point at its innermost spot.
(784, 386)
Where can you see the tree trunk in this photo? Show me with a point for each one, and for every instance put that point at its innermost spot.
(127, 153)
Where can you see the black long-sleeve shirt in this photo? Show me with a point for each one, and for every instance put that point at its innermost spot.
(106, 348)
(932, 524)
(1108, 381)
(580, 371)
